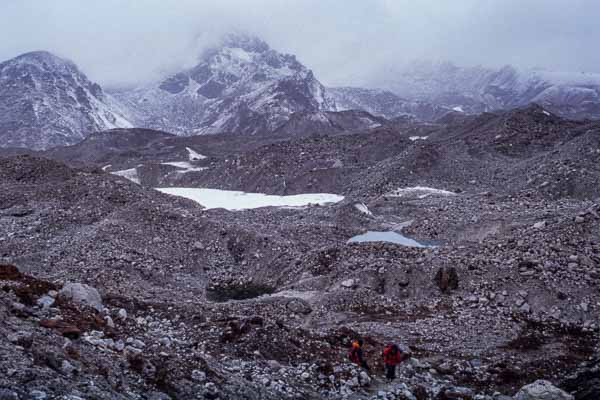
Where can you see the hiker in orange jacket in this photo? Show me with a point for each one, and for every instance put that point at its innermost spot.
(392, 356)
(356, 354)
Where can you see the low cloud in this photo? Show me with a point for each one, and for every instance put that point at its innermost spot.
(120, 42)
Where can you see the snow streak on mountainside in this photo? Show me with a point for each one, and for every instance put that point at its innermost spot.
(241, 85)
(478, 89)
(46, 101)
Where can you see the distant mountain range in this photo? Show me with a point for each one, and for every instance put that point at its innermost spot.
(243, 86)
(478, 89)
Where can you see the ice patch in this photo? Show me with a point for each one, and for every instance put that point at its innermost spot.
(546, 112)
(369, 122)
(234, 200)
(106, 167)
(415, 138)
(459, 109)
(184, 166)
(130, 174)
(420, 191)
(296, 294)
(362, 207)
(194, 156)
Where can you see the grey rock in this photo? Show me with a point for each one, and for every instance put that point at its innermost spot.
(45, 302)
(211, 388)
(299, 306)
(198, 376)
(6, 394)
(542, 390)
(122, 314)
(461, 393)
(119, 345)
(38, 395)
(134, 350)
(67, 368)
(109, 322)
(158, 396)
(349, 283)
(138, 344)
(82, 294)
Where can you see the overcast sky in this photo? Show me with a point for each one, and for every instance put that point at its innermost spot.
(125, 41)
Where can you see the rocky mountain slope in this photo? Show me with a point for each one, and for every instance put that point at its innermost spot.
(241, 85)
(384, 103)
(478, 89)
(47, 101)
(524, 150)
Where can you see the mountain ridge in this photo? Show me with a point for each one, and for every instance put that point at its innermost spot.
(242, 85)
(46, 100)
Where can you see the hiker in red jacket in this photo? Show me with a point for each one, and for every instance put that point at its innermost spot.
(392, 356)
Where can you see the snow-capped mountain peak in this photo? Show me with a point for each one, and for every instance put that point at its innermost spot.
(46, 101)
(239, 85)
(43, 60)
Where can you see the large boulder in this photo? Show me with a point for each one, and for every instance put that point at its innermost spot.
(82, 294)
(542, 390)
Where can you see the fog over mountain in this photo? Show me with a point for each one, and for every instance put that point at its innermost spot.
(124, 42)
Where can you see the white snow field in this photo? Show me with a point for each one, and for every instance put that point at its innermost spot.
(235, 201)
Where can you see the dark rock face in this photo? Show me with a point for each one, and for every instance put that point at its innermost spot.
(584, 384)
(446, 279)
(211, 89)
(175, 84)
(46, 101)
(225, 291)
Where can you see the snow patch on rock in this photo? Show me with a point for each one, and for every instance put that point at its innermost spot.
(194, 156)
(420, 191)
(130, 174)
(362, 207)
